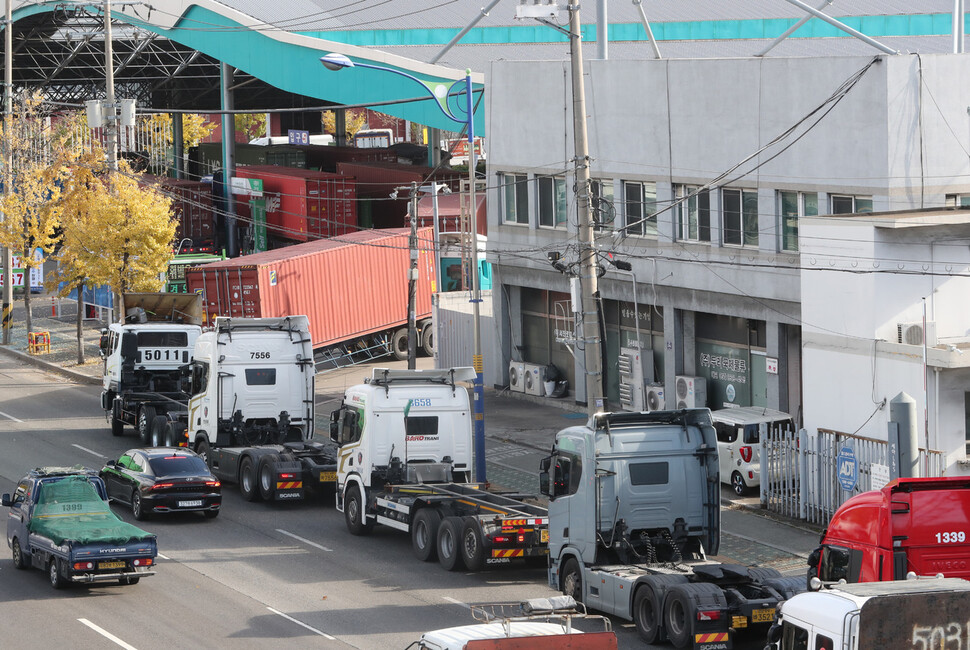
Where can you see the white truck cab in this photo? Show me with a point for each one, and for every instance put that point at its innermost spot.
(418, 418)
(903, 614)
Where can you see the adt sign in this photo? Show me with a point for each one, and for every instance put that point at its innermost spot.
(848, 469)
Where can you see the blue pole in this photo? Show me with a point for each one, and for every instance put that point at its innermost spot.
(479, 385)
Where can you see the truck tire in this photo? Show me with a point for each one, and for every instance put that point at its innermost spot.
(449, 536)
(647, 614)
(571, 580)
(680, 610)
(54, 574)
(18, 555)
(202, 449)
(427, 340)
(117, 424)
(169, 434)
(159, 422)
(787, 587)
(424, 534)
(763, 574)
(137, 511)
(472, 544)
(399, 344)
(248, 483)
(146, 419)
(354, 512)
(267, 478)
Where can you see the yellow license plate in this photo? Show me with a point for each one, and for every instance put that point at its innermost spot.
(328, 477)
(111, 565)
(544, 536)
(763, 615)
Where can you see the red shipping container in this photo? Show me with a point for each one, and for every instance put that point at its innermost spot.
(326, 158)
(312, 205)
(376, 180)
(192, 207)
(350, 286)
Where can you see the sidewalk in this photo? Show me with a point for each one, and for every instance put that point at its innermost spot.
(519, 430)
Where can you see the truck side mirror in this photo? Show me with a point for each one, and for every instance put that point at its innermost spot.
(544, 476)
(6, 500)
(335, 426)
(103, 343)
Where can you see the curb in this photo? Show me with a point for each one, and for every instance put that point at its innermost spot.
(29, 359)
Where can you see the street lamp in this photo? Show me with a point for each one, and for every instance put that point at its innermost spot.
(441, 93)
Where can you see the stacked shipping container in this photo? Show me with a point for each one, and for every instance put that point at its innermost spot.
(192, 207)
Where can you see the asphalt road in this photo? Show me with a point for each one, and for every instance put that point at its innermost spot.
(260, 575)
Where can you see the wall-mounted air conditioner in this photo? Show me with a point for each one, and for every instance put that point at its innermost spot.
(535, 379)
(691, 392)
(912, 333)
(517, 376)
(655, 398)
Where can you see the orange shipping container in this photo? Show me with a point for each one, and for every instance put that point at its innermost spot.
(352, 286)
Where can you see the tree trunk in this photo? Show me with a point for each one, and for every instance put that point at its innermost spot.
(27, 318)
(80, 324)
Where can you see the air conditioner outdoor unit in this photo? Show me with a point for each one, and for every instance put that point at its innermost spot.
(631, 379)
(655, 398)
(535, 378)
(517, 376)
(691, 392)
(912, 333)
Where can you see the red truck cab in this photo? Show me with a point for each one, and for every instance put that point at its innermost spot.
(918, 525)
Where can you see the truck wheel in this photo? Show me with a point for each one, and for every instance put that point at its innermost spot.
(137, 511)
(18, 555)
(399, 344)
(677, 617)
(159, 422)
(54, 574)
(424, 534)
(129, 580)
(449, 534)
(202, 449)
(247, 480)
(571, 581)
(169, 435)
(267, 478)
(738, 484)
(117, 424)
(472, 545)
(427, 340)
(787, 587)
(354, 513)
(146, 420)
(647, 614)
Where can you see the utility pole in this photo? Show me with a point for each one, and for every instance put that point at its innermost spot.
(592, 342)
(8, 163)
(413, 280)
(109, 74)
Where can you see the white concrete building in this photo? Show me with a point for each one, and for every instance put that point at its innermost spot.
(719, 276)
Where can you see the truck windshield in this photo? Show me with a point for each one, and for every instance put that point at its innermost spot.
(163, 339)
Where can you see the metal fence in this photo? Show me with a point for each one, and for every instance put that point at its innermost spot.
(800, 471)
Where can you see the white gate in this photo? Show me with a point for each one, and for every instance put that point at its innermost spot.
(799, 474)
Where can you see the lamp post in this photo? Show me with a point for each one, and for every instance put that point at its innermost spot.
(441, 92)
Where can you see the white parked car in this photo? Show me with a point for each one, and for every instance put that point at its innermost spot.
(738, 443)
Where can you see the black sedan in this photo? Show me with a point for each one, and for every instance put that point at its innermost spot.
(162, 479)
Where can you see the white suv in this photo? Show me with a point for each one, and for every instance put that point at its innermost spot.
(738, 443)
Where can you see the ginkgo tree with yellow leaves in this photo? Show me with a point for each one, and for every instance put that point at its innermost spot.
(31, 206)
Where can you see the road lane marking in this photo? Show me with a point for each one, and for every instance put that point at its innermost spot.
(106, 634)
(304, 540)
(162, 556)
(10, 417)
(302, 624)
(93, 453)
(457, 602)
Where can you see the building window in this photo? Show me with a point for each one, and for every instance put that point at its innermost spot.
(793, 206)
(515, 200)
(957, 200)
(850, 204)
(740, 209)
(641, 208)
(601, 202)
(551, 200)
(693, 213)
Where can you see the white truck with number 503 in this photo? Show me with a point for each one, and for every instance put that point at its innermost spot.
(914, 614)
(405, 461)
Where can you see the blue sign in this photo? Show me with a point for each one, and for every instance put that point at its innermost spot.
(848, 469)
(298, 137)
